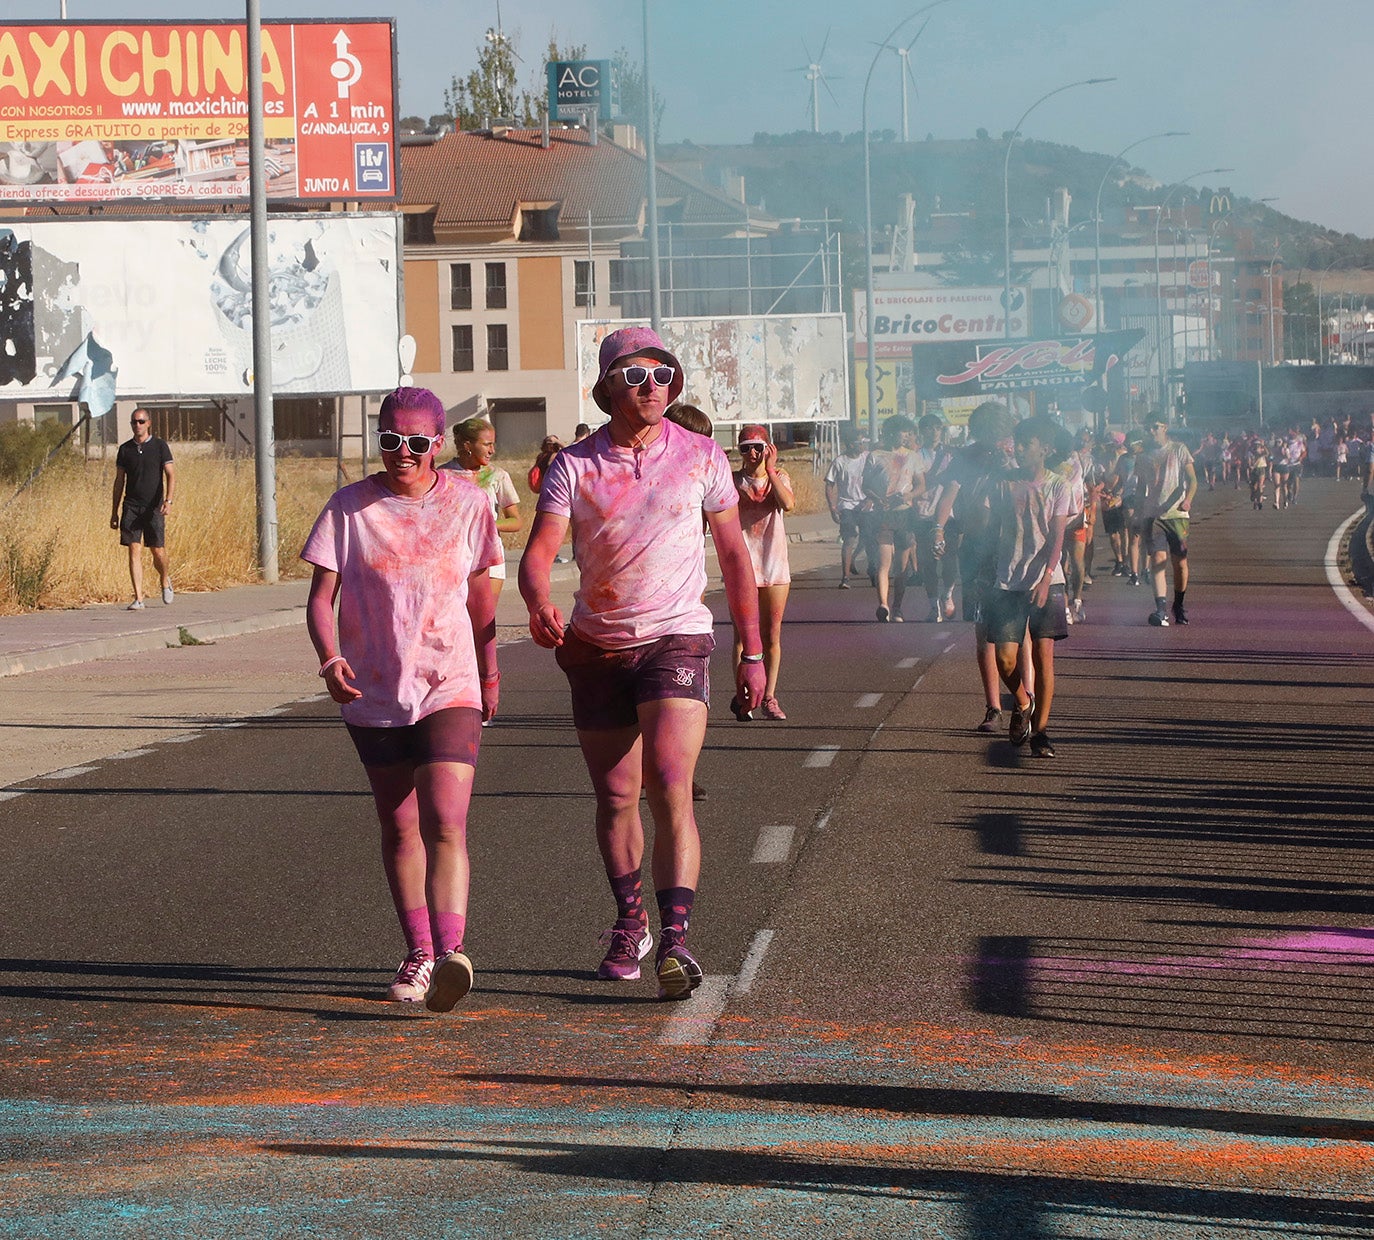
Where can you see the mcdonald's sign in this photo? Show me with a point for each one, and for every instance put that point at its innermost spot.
(1220, 204)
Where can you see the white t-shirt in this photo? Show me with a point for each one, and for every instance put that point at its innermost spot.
(403, 568)
(637, 532)
(1025, 509)
(846, 475)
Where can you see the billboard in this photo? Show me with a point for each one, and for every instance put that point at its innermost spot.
(150, 110)
(903, 317)
(576, 86)
(988, 369)
(172, 302)
(754, 368)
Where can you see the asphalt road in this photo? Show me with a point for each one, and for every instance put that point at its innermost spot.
(951, 991)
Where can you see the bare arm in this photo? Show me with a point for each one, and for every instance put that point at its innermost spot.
(168, 485)
(319, 623)
(482, 615)
(510, 521)
(116, 497)
(536, 569)
(742, 597)
(782, 484)
(1055, 548)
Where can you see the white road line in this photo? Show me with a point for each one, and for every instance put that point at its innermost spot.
(753, 962)
(774, 845)
(823, 756)
(905, 665)
(129, 753)
(9, 796)
(182, 739)
(1333, 574)
(823, 821)
(868, 701)
(950, 647)
(69, 772)
(697, 1016)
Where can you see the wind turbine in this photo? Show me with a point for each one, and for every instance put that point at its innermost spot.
(904, 56)
(816, 76)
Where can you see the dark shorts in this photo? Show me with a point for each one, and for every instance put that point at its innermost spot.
(1008, 614)
(1114, 519)
(977, 571)
(1167, 534)
(451, 735)
(142, 525)
(889, 529)
(608, 686)
(849, 523)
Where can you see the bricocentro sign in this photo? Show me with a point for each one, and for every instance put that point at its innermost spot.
(909, 316)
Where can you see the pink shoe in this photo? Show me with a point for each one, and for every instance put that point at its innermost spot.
(770, 709)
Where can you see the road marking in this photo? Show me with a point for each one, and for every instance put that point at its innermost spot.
(774, 845)
(9, 796)
(1333, 574)
(129, 753)
(69, 772)
(823, 756)
(905, 665)
(692, 1026)
(950, 647)
(753, 962)
(917, 685)
(823, 821)
(868, 700)
(182, 739)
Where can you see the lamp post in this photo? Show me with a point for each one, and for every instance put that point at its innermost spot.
(1006, 193)
(651, 187)
(1321, 323)
(1269, 285)
(868, 221)
(1097, 219)
(1159, 281)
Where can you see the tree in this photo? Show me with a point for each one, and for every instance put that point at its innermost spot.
(630, 74)
(1299, 321)
(490, 92)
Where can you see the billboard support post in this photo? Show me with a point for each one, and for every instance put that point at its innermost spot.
(265, 435)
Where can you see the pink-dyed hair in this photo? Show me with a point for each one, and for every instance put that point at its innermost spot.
(414, 398)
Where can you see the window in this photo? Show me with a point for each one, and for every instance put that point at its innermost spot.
(496, 286)
(539, 223)
(462, 346)
(418, 228)
(584, 282)
(498, 352)
(460, 286)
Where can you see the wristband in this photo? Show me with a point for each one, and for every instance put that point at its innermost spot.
(751, 658)
(328, 663)
(491, 680)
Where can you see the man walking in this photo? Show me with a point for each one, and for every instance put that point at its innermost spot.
(637, 645)
(144, 480)
(1168, 484)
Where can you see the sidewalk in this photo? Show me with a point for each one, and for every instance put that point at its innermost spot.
(48, 639)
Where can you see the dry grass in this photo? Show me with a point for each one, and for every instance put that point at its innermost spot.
(211, 533)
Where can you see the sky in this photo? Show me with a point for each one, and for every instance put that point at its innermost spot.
(1269, 88)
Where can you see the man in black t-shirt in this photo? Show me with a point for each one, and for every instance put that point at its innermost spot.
(144, 481)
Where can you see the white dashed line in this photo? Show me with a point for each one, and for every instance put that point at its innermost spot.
(905, 665)
(868, 701)
(823, 821)
(129, 753)
(753, 962)
(182, 739)
(698, 1015)
(950, 647)
(69, 772)
(823, 756)
(9, 796)
(774, 845)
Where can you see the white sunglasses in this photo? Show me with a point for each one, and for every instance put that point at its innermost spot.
(391, 441)
(636, 375)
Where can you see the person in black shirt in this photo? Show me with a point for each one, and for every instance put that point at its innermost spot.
(144, 481)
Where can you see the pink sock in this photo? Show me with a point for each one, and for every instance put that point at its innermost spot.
(448, 932)
(415, 926)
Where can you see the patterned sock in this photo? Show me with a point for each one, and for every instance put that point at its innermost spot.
(415, 926)
(675, 911)
(628, 890)
(448, 932)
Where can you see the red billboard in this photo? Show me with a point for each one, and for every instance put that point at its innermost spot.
(158, 110)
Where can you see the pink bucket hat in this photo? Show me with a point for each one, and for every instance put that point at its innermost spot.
(633, 342)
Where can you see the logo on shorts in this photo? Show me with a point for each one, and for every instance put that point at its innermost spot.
(685, 676)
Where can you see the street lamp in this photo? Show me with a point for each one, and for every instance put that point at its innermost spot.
(1159, 281)
(1097, 219)
(1006, 193)
(868, 221)
(1269, 285)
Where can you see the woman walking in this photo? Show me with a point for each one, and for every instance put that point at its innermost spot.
(474, 441)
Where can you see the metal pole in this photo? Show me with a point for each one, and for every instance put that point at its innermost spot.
(651, 185)
(265, 446)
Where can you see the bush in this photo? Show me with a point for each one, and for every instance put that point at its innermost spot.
(24, 446)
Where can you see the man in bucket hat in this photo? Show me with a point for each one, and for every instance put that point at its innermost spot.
(638, 642)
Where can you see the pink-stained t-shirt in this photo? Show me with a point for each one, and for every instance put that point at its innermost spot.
(637, 532)
(403, 568)
(761, 520)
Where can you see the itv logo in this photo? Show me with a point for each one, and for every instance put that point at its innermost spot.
(372, 167)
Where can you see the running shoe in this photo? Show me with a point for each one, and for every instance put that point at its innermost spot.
(770, 709)
(136, 605)
(412, 978)
(992, 721)
(167, 594)
(1180, 616)
(450, 981)
(1118, 569)
(1040, 745)
(882, 614)
(948, 603)
(1160, 619)
(739, 712)
(698, 792)
(678, 971)
(1020, 726)
(1079, 615)
(844, 583)
(1087, 581)
(626, 943)
(936, 616)
(1134, 579)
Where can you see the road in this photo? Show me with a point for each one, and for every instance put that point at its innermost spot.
(951, 991)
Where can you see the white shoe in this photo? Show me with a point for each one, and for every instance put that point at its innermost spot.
(167, 593)
(451, 980)
(136, 605)
(412, 978)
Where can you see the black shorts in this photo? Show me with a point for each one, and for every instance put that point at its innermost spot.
(450, 735)
(978, 572)
(1114, 519)
(1008, 614)
(849, 523)
(608, 686)
(142, 525)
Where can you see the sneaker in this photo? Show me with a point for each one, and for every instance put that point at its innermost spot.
(1118, 570)
(936, 616)
(948, 604)
(136, 605)
(742, 715)
(1079, 615)
(698, 792)
(1134, 579)
(992, 721)
(1020, 726)
(167, 594)
(1040, 745)
(882, 615)
(1087, 581)
(1180, 616)
(1068, 614)
(1160, 619)
(678, 971)
(626, 943)
(844, 583)
(770, 709)
(412, 978)
(451, 980)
